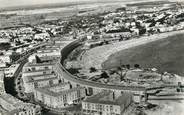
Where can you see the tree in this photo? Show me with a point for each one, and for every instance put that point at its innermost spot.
(5, 46)
(142, 31)
(136, 66)
(128, 66)
(38, 60)
(73, 71)
(104, 75)
(93, 69)
(15, 56)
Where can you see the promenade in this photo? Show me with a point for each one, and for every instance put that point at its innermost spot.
(96, 56)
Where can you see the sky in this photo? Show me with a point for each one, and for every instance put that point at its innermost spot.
(8, 3)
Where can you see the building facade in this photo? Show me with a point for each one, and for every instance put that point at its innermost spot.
(106, 103)
(36, 75)
(2, 88)
(60, 95)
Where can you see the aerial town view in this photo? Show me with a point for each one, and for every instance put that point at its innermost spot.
(92, 57)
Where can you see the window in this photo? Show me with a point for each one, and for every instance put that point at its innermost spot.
(111, 108)
(46, 67)
(36, 85)
(33, 68)
(107, 108)
(50, 82)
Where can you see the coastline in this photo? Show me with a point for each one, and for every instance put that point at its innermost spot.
(96, 56)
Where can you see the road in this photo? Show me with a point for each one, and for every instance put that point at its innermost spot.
(66, 75)
(22, 61)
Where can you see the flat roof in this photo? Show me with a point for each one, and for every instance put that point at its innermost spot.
(42, 70)
(47, 90)
(46, 77)
(106, 97)
(34, 64)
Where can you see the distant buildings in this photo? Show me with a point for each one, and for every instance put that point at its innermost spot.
(107, 103)
(4, 40)
(59, 96)
(5, 58)
(42, 36)
(12, 106)
(2, 64)
(49, 52)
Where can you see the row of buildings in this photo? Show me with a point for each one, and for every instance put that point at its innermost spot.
(2, 87)
(37, 75)
(60, 95)
(107, 103)
(49, 89)
(13, 106)
(41, 81)
(144, 22)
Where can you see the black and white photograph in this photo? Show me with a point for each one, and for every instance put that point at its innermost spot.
(91, 57)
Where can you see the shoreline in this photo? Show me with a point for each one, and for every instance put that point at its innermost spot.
(96, 56)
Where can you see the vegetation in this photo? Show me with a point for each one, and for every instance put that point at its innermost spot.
(10, 86)
(15, 56)
(73, 71)
(166, 55)
(5, 46)
(93, 69)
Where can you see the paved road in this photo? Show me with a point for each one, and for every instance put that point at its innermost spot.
(66, 75)
(22, 61)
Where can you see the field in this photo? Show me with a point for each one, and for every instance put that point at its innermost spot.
(165, 55)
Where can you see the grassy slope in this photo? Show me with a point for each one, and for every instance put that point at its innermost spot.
(166, 55)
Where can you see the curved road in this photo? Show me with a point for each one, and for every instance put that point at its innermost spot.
(68, 76)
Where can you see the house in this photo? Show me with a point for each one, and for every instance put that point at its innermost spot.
(107, 103)
(9, 72)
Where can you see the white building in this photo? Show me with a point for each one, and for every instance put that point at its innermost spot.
(2, 64)
(107, 103)
(2, 40)
(5, 58)
(2, 88)
(36, 75)
(9, 72)
(37, 81)
(59, 96)
(12, 106)
(47, 53)
(42, 36)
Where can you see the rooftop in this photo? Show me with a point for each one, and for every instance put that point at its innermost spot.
(108, 97)
(43, 77)
(42, 70)
(34, 64)
(58, 89)
(48, 50)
